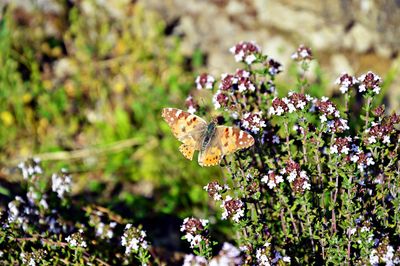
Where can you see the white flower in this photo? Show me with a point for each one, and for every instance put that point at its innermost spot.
(278, 179)
(386, 139)
(61, 184)
(292, 176)
(191, 109)
(301, 105)
(306, 185)
(323, 118)
(372, 139)
(324, 99)
(373, 258)
(196, 241)
(250, 59)
(271, 184)
(370, 161)
(291, 108)
(362, 88)
(204, 222)
(334, 149)
(279, 110)
(345, 150)
(354, 158)
(344, 89)
(331, 109)
(376, 89)
(239, 56)
(242, 87)
(286, 259)
(264, 179)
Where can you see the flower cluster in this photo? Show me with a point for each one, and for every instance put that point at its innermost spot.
(382, 131)
(294, 175)
(61, 183)
(290, 104)
(30, 169)
(330, 115)
(205, 81)
(191, 104)
(229, 255)
(274, 67)
(346, 81)
(265, 259)
(246, 52)
(232, 83)
(384, 253)
(192, 260)
(233, 208)
(133, 240)
(253, 122)
(15, 213)
(272, 179)
(194, 230)
(214, 190)
(76, 240)
(362, 159)
(220, 99)
(33, 258)
(341, 145)
(369, 82)
(102, 230)
(302, 53)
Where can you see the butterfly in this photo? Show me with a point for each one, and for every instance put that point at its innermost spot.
(212, 141)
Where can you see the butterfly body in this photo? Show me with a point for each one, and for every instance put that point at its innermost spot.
(208, 135)
(212, 141)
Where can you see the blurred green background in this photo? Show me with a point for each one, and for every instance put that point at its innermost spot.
(85, 91)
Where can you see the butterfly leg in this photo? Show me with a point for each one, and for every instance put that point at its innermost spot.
(187, 151)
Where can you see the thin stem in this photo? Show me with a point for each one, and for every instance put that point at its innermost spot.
(287, 137)
(367, 107)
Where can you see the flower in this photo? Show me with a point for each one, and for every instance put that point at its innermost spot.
(242, 79)
(272, 179)
(369, 82)
(194, 229)
(76, 240)
(191, 104)
(232, 208)
(219, 99)
(245, 52)
(205, 81)
(214, 189)
(61, 184)
(346, 81)
(274, 67)
(253, 122)
(133, 239)
(228, 255)
(192, 260)
(302, 53)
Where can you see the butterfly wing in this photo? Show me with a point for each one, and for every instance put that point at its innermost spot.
(187, 128)
(233, 139)
(226, 140)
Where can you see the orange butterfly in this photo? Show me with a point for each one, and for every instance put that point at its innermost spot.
(211, 140)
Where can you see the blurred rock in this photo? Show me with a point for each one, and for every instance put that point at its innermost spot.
(345, 33)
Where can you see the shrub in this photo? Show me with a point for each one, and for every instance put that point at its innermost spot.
(321, 183)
